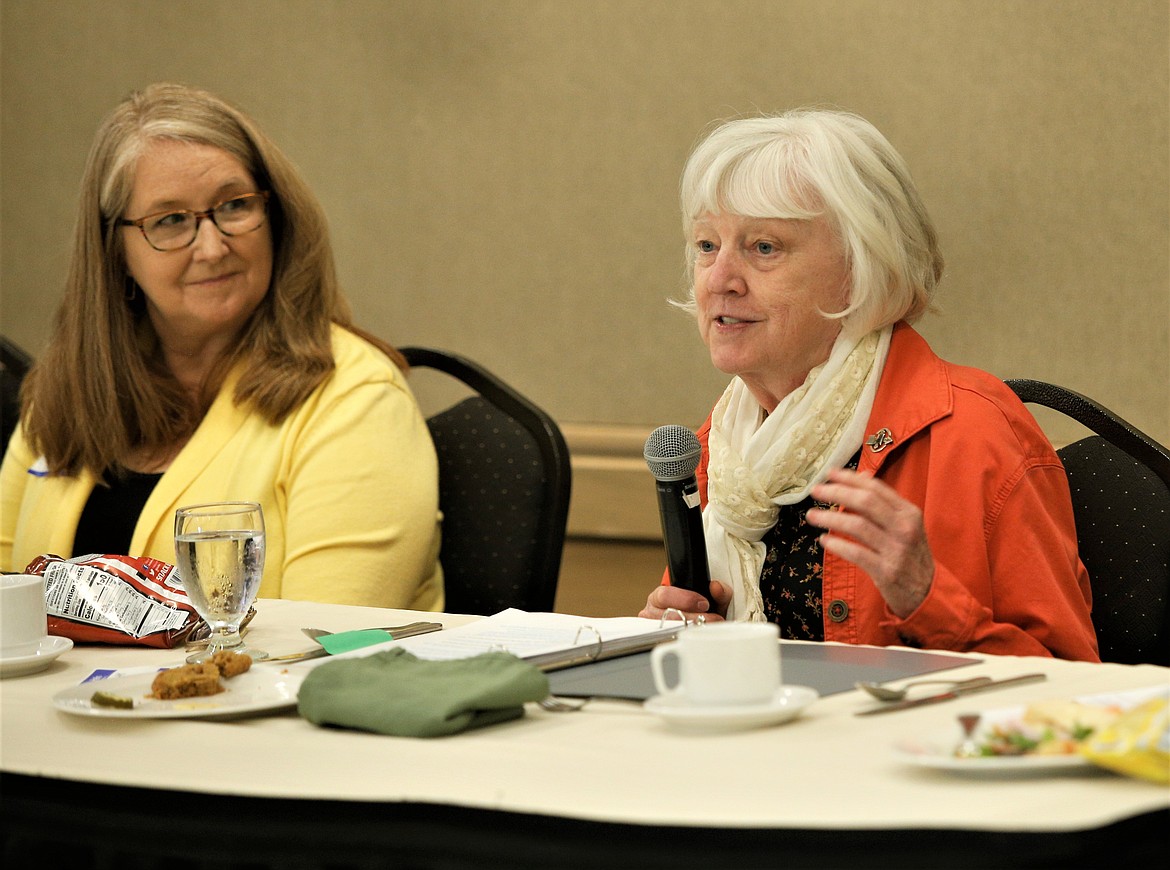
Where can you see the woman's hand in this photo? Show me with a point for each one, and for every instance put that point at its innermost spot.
(690, 604)
(878, 531)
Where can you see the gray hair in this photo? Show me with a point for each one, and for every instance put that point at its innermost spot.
(812, 162)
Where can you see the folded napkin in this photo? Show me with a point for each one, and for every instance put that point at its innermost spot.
(394, 692)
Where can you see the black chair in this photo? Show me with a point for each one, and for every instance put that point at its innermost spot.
(504, 482)
(14, 365)
(1120, 483)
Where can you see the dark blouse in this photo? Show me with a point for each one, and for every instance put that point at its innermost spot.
(107, 522)
(790, 581)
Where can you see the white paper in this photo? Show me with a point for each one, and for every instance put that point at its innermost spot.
(519, 632)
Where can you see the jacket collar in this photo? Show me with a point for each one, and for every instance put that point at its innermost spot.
(914, 392)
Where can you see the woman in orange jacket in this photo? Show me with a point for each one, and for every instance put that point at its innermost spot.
(858, 488)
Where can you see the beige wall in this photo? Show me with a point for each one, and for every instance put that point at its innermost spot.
(500, 175)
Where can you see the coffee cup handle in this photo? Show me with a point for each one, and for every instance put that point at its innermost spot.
(657, 656)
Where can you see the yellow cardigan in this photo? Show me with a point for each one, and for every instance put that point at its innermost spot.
(348, 483)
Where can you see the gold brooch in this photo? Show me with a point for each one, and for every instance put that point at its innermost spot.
(879, 440)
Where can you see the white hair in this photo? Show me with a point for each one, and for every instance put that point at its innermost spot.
(808, 163)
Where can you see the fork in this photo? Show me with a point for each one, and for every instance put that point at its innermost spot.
(559, 705)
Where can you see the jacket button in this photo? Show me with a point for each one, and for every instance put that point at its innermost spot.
(838, 610)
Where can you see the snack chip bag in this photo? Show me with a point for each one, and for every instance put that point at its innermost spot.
(1136, 744)
(117, 600)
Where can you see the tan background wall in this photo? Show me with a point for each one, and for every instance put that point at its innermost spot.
(500, 175)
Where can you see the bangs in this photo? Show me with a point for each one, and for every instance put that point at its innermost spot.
(756, 182)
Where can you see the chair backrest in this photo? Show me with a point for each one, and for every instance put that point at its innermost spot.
(14, 364)
(504, 484)
(1120, 485)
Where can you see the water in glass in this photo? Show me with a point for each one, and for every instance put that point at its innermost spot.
(219, 551)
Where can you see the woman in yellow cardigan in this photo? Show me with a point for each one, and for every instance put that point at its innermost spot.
(203, 351)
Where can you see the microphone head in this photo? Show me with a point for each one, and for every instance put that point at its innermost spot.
(672, 452)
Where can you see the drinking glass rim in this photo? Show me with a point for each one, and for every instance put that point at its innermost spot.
(224, 507)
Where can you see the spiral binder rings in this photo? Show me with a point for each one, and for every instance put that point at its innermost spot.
(550, 641)
(600, 650)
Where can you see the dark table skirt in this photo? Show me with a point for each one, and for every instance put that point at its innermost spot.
(59, 823)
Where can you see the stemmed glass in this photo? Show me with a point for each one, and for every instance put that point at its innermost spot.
(219, 551)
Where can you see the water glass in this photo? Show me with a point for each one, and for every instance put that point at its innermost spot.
(219, 553)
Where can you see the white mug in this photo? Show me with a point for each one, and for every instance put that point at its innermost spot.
(23, 623)
(722, 664)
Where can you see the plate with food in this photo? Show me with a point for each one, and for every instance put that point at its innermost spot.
(223, 688)
(1042, 737)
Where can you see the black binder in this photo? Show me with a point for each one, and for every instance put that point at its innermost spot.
(828, 668)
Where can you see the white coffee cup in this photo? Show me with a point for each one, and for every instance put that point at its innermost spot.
(23, 624)
(722, 664)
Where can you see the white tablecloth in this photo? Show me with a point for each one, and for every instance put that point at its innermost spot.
(613, 761)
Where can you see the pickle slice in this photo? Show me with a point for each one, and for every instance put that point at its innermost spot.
(109, 699)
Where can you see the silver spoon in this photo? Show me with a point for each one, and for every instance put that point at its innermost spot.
(886, 693)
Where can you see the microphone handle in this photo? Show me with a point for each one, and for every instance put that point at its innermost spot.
(682, 534)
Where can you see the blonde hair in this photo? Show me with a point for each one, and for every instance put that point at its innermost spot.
(812, 162)
(99, 391)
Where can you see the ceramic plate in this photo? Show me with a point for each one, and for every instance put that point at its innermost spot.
(51, 646)
(937, 750)
(259, 690)
(788, 703)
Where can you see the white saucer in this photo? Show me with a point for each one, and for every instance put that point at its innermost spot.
(50, 647)
(786, 704)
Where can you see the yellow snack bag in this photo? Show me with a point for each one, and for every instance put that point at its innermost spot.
(1136, 744)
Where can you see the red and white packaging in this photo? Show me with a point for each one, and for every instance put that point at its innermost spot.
(117, 600)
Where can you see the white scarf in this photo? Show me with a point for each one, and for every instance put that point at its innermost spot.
(754, 467)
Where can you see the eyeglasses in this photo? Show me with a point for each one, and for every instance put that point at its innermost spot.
(172, 230)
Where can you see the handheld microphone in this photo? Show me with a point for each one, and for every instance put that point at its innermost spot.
(672, 453)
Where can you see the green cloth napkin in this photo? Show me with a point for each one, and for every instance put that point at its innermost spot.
(394, 692)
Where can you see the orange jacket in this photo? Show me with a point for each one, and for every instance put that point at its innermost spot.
(998, 514)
